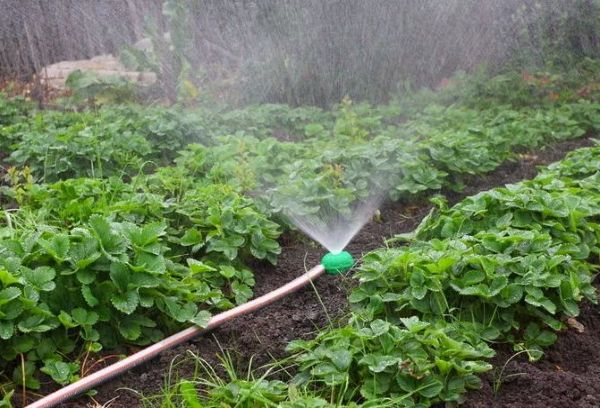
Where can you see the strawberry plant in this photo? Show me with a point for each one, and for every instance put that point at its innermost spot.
(110, 141)
(212, 219)
(272, 120)
(102, 283)
(414, 362)
(424, 154)
(77, 148)
(106, 264)
(515, 258)
(13, 110)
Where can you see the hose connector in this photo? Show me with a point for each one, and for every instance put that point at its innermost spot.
(335, 264)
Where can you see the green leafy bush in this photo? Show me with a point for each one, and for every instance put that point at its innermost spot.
(515, 259)
(13, 110)
(103, 283)
(110, 141)
(99, 262)
(210, 219)
(414, 363)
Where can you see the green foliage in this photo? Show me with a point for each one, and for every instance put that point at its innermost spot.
(339, 166)
(102, 283)
(260, 147)
(104, 264)
(68, 147)
(416, 362)
(98, 90)
(110, 141)
(279, 121)
(5, 402)
(13, 110)
(515, 259)
(211, 219)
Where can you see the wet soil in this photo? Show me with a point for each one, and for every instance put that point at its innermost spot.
(262, 336)
(567, 377)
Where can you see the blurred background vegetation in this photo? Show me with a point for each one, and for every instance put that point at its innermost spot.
(300, 52)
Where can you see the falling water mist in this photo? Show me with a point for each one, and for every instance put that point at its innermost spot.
(334, 229)
(300, 52)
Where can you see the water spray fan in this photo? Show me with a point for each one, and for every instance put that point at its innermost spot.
(336, 263)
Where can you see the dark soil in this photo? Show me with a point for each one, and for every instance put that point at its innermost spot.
(263, 335)
(567, 377)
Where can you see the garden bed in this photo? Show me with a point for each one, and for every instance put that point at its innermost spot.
(567, 376)
(263, 335)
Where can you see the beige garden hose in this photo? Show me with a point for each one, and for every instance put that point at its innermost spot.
(95, 379)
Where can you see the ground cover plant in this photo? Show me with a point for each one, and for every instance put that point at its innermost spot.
(125, 223)
(102, 281)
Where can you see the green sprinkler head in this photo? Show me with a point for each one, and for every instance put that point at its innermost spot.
(337, 263)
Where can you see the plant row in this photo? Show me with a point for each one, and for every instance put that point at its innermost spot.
(334, 164)
(89, 264)
(437, 149)
(285, 150)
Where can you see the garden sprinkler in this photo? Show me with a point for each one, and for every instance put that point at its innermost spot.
(337, 263)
